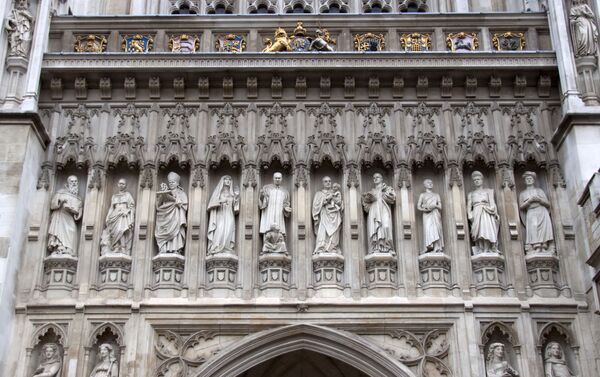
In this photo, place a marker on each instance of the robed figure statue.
(483, 216)
(534, 205)
(107, 366)
(223, 205)
(497, 365)
(117, 236)
(431, 205)
(274, 202)
(377, 204)
(171, 216)
(327, 212)
(555, 364)
(51, 361)
(67, 208)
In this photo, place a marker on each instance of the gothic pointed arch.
(346, 347)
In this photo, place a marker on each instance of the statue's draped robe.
(584, 31)
(484, 223)
(62, 233)
(379, 219)
(118, 233)
(554, 367)
(538, 226)
(171, 221)
(105, 368)
(272, 203)
(222, 207)
(432, 221)
(327, 214)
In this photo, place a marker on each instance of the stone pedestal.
(328, 271)
(488, 272)
(274, 270)
(221, 271)
(16, 67)
(586, 66)
(168, 270)
(114, 271)
(434, 269)
(542, 269)
(382, 274)
(59, 272)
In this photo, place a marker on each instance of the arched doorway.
(294, 343)
(303, 363)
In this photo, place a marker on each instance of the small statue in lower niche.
(274, 241)
(107, 366)
(497, 366)
(51, 361)
(555, 364)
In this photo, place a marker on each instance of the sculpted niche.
(497, 366)
(483, 216)
(534, 205)
(584, 31)
(67, 208)
(274, 203)
(376, 203)
(327, 213)
(51, 362)
(555, 364)
(223, 206)
(171, 216)
(430, 204)
(117, 236)
(107, 366)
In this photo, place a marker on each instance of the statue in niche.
(274, 202)
(534, 204)
(430, 204)
(51, 361)
(67, 208)
(223, 205)
(117, 236)
(379, 216)
(483, 216)
(584, 31)
(107, 366)
(171, 216)
(497, 366)
(327, 216)
(18, 26)
(555, 364)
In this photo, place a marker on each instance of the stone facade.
(435, 211)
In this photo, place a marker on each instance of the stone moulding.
(69, 62)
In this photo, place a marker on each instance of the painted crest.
(230, 43)
(184, 43)
(90, 43)
(137, 43)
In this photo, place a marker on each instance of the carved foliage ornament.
(428, 352)
(181, 354)
(90, 43)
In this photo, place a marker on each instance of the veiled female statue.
(117, 236)
(379, 219)
(584, 31)
(483, 216)
(431, 205)
(327, 216)
(223, 205)
(555, 364)
(51, 361)
(171, 216)
(538, 226)
(496, 365)
(107, 366)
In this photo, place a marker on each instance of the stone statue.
(67, 208)
(117, 236)
(274, 241)
(107, 366)
(18, 26)
(497, 366)
(430, 204)
(281, 43)
(51, 361)
(538, 226)
(223, 205)
(171, 216)
(379, 219)
(327, 216)
(321, 42)
(584, 31)
(554, 362)
(483, 216)
(274, 202)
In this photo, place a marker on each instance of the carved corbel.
(154, 87)
(130, 87)
(81, 88)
